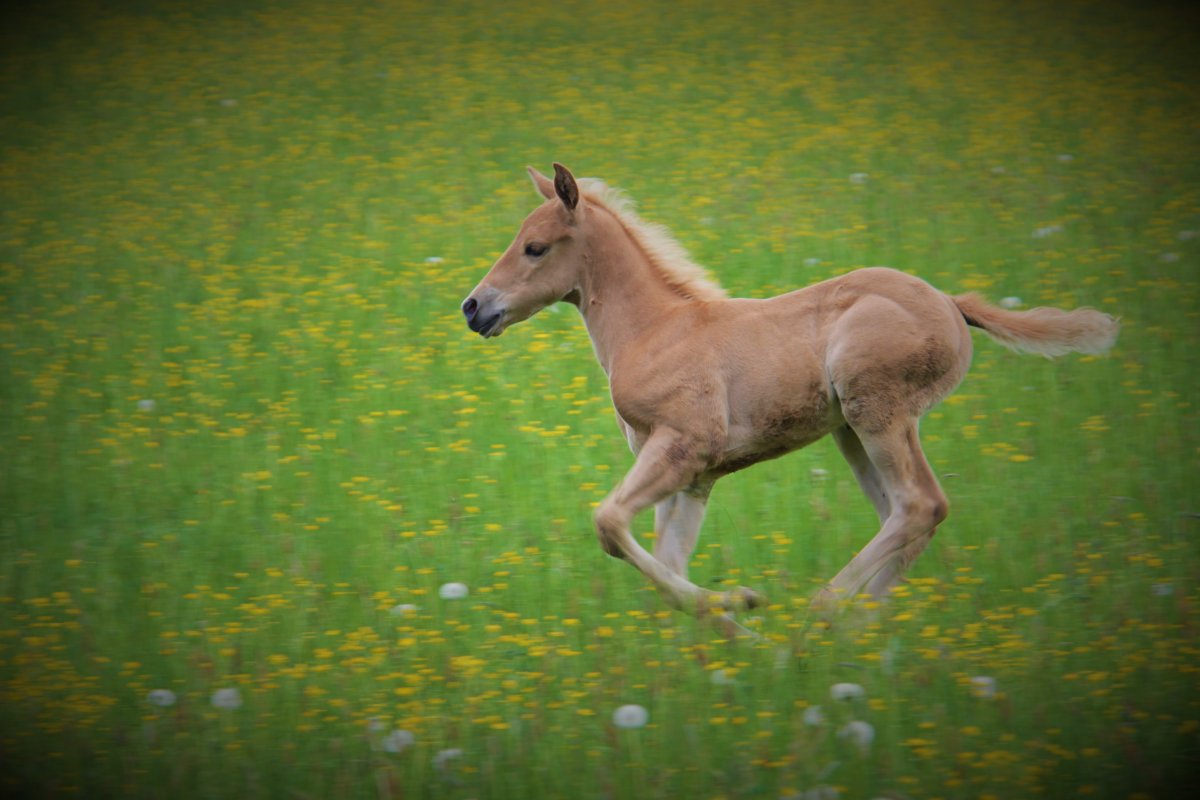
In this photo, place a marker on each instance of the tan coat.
(705, 385)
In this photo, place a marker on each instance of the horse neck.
(621, 293)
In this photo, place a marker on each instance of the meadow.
(274, 523)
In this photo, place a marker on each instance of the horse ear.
(565, 187)
(543, 184)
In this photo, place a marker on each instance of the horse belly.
(772, 429)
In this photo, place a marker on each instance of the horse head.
(542, 265)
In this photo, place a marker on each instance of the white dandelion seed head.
(1186, 236)
(453, 591)
(1065, 158)
(998, 170)
(146, 405)
(817, 473)
(630, 716)
(859, 732)
(1162, 589)
(1169, 258)
(846, 691)
(228, 699)
(1047, 230)
(441, 761)
(1010, 302)
(812, 262)
(376, 725)
(859, 177)
(228, 102)
(720, 677)
(402, 610)
(163, 698)
(983, 686)
(813, 716)
(397, 741)
(434, 260)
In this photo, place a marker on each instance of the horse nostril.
(469, 308)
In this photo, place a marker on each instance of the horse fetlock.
(748, 598)
(733, 630)
(829, 600)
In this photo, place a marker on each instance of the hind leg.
(864, 471)
(916, 505)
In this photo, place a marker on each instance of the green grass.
(241, 419)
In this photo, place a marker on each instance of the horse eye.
(535, 250)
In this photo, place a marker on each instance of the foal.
(705, 385)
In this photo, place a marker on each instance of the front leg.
(668, 462)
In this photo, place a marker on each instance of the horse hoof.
(739, 599)
(748, 598)
(827, 602)
(733, 630)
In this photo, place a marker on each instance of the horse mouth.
(488, 327)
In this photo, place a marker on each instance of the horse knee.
(940, 510)
(609, 530)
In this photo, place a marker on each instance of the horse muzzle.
(484, 314)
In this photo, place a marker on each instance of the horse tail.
(1046, 331)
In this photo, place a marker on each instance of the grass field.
(246, 438)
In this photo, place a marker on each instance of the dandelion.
(720, 677)
(1065, 158)
(229, 102)
(228, 699)
(859, 178)
(145, 405)
(442, 760)
(1162, 589)
(163, 698)
(1187, 236)
(1010, 302)
(818, 474)
(813, 716)
(858, 732)
(1169, 258)
(846, 691)
(402, 610)
(998, 170)
(1047, 230)
(434, 260)
(397, 741)
(453, 591)
(812, 262)
(630, 716)
(983, 686)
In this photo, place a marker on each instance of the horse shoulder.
(671, 376)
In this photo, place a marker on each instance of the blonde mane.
(665, 252)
